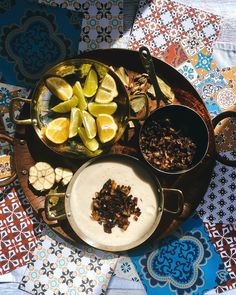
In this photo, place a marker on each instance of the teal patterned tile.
(185, 262)
(188, 71)
(33, 38)
(209, 84)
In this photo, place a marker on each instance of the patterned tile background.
(33, 38)
(59, 268)
(102, 24)
(183, 263)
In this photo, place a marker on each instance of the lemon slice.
(102, 108)
(91, 144)
(59, 87)
(78, 91)
(107, 127)
(107, 90)
(89, 124)
(66, 106)
(57, 130)
(90, 84)
(75, 122)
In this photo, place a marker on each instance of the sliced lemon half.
(59, 87)
(107, 127)
(57, 130)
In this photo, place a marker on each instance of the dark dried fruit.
(113, 205)
(166, 148)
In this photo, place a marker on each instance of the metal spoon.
(147, 62)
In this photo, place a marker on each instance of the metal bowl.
(90, 178)
(191, 125)
(42, 100)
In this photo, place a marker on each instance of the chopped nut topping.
(113, 205)
(166, 148)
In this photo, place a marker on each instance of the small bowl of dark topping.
(174, 139)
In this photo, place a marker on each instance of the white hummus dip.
(124, 172)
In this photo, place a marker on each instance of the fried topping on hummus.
(113, 205)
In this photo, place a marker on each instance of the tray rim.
(20, 144)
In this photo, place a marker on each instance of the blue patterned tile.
(210, 84)
(33, 38)
(183, 263)
(212, 107)
(188, 71)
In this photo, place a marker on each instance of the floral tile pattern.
(226, 98)
(224, 239)
(188, 71)
(125, 269)
(210, 84)
(161, 23)
(183, 263)
(203, 62)
(17, 237)
(59, 268)
(230, 76)
(192, 44)
(5, 166)
(102, 24)
(218, 204)
(7, 92)
(25, 58)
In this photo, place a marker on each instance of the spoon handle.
(147, 62)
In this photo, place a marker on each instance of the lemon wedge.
(57, 130)
(78, 91)
(90, 84)
(107, 90)
(66, 106)
(75, 122)
(59, 87)
(91, 144)
(102, 108)
(89, 124)
(107, 127)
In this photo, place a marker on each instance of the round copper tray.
(28, 149)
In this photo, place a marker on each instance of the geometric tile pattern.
(17, 237)
(209, 84)
(219, 203)
(188, 71)
(224, 239)
(102, 23)
(57, 267)
(161, 23)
